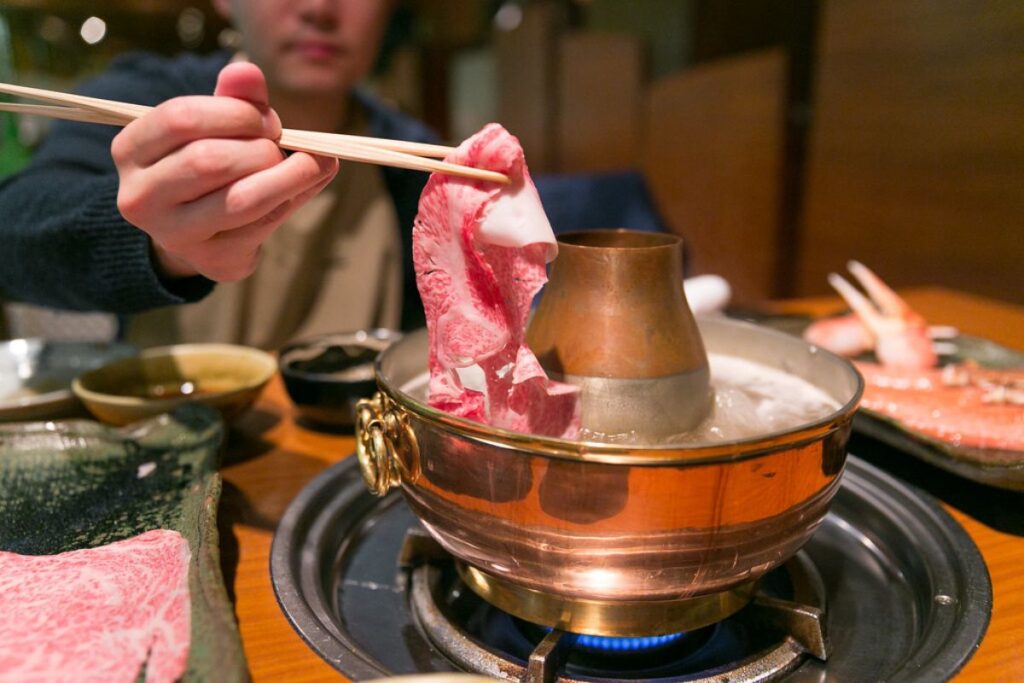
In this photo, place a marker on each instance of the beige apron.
(334, 265)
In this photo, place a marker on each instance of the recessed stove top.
(889, 587)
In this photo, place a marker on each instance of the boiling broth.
(749, 399)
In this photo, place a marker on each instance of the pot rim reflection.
(636, 454)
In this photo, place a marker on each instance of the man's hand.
(205, 179)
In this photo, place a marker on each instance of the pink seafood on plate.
(885, 324)
(961, 404)
(480, 252)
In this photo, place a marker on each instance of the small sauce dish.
(326, 375)
(223, 376)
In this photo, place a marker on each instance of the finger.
(181, 120)
(197, 169)
(253, 197)
(245, 81)
(255, 233)
(232, 255)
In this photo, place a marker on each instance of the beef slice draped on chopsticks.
(98, 614)
(480, 251)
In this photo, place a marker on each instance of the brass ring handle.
(385, 444)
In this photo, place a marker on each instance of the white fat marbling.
(516, 218)
(472, 377)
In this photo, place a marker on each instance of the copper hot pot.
(609, 539)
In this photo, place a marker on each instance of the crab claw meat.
(901, 337)
(889, 302)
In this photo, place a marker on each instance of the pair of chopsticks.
(399, 153)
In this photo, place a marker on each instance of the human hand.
(205, 179)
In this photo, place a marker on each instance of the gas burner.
(782, 624)
(375, 596)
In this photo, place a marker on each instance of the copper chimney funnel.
(614, 321)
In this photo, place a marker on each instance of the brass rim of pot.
(617, 454)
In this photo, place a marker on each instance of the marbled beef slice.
(97, 614)
(480, 251)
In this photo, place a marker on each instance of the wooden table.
(270, 458)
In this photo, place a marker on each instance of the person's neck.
(327, 114)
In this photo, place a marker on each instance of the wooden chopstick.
(420, 149)
(381, 151)
(307, 141)
(91, 116)
(122, 109)
(68, 113)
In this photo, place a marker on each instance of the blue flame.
(637, 644)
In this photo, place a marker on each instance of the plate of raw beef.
(109, 559)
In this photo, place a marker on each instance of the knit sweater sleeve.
(64, 242)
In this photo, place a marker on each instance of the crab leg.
(901, 335)
(860, 305)
(891, 304)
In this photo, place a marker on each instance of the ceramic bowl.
(223, 376)
(326, 375)
(36, 375)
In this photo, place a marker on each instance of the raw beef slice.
(480, 251)
(97, 614)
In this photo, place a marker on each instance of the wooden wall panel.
(601, 85)
(916, 162)
(527, 66)
(713, 157)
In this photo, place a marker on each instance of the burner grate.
(480, 638)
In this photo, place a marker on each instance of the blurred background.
(779, 137)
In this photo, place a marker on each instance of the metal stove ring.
(803, 621)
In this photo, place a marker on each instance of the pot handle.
(385, 444)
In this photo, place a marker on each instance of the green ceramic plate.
(1001, 468)
(77, 484)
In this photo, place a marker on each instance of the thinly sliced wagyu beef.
(99, 614)
(480, 251)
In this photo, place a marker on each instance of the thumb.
(245, 81)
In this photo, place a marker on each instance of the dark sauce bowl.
(326, 375)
